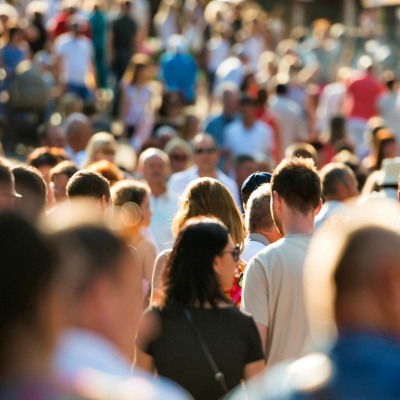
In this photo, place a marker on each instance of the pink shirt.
(361, 97)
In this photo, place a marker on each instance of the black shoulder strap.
(219, 376)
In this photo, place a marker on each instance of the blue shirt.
(215, 127)
(365, 366)
(179, 73)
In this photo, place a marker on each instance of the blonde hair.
(207, 196)
(138, 60)
(99, 141)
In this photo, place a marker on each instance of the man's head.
(79, 131)
(251, 183)
(30, 184)
(296, 189)
(281, 89)
(230, 97)
(101, 269)
(50, 135)
(338, 182)
(244, 166)
(155, 166)
(248, 109)
(357, 282)
(205, 152)
(89, 184)
(59, 177)
(7, 187)
(258, 214)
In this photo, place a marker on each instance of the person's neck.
(157, 189)
(208, 173)
(248, 124)
(296, 223)
(228, 114)
(271, 236)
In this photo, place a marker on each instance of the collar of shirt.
(258, 237)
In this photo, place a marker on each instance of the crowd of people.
(196, 201)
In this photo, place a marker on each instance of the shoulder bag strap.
(219, 376)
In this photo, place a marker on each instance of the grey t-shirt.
(273, 295)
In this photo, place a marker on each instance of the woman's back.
(231, 337)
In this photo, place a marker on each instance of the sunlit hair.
(129, 191)
(207, 196)
(101, 140)
(189, 276)
(136, 63)
(108, 170)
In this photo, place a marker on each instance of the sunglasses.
(178, 157)
(206, 150)
(235, 253)
(108, 152)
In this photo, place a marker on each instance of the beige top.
(273, 295)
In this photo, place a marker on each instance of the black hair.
(88, 184)
(30, 184)
(189, 276)
(281, 89)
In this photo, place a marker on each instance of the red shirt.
(361, 97)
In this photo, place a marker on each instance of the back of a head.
(108, 170)
(87, 251)
(207, 196)
(258, 210)
(27, 268)
(42, 156)
(68, 168)
(88, 184)
(30, 184)
(129, 191)
(281, 89)
(331, 175)
(199, 241)
(304, 150)
(297, 182)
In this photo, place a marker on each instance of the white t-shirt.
(137, 101)
(230, 70)
(218, 51)
(241, 141)
(253, 244)
(164, 209)
(273, 295)
(76, 55)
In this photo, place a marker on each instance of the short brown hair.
(207, 196)
(88, 184)
(129, 191)
(297, 182)
(333, 174)
(68, 168)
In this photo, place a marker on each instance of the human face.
(57, 137)
(106, 153)
(146, 212)
(155, 170)
(225, 265)
(59, 185)
(208, 157)
(244, 171)
(178, 160)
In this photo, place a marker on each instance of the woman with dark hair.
(193, 334)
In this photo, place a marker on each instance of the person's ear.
(104, 204)
(277, 200)
(342, 191)
(387, 286)
(398, 195)
(217, 265)
(319, 207)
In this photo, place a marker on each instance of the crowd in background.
(202, 191)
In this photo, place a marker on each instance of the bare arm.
(159, 267)
(263, 331)
(254, 368)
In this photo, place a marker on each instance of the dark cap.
(254, 181)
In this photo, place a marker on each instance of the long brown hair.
(207, 196)
(136, 63)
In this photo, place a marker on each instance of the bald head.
(155, 166)
(79, 131)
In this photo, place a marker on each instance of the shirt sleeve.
(255, 352)
(255, 295)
